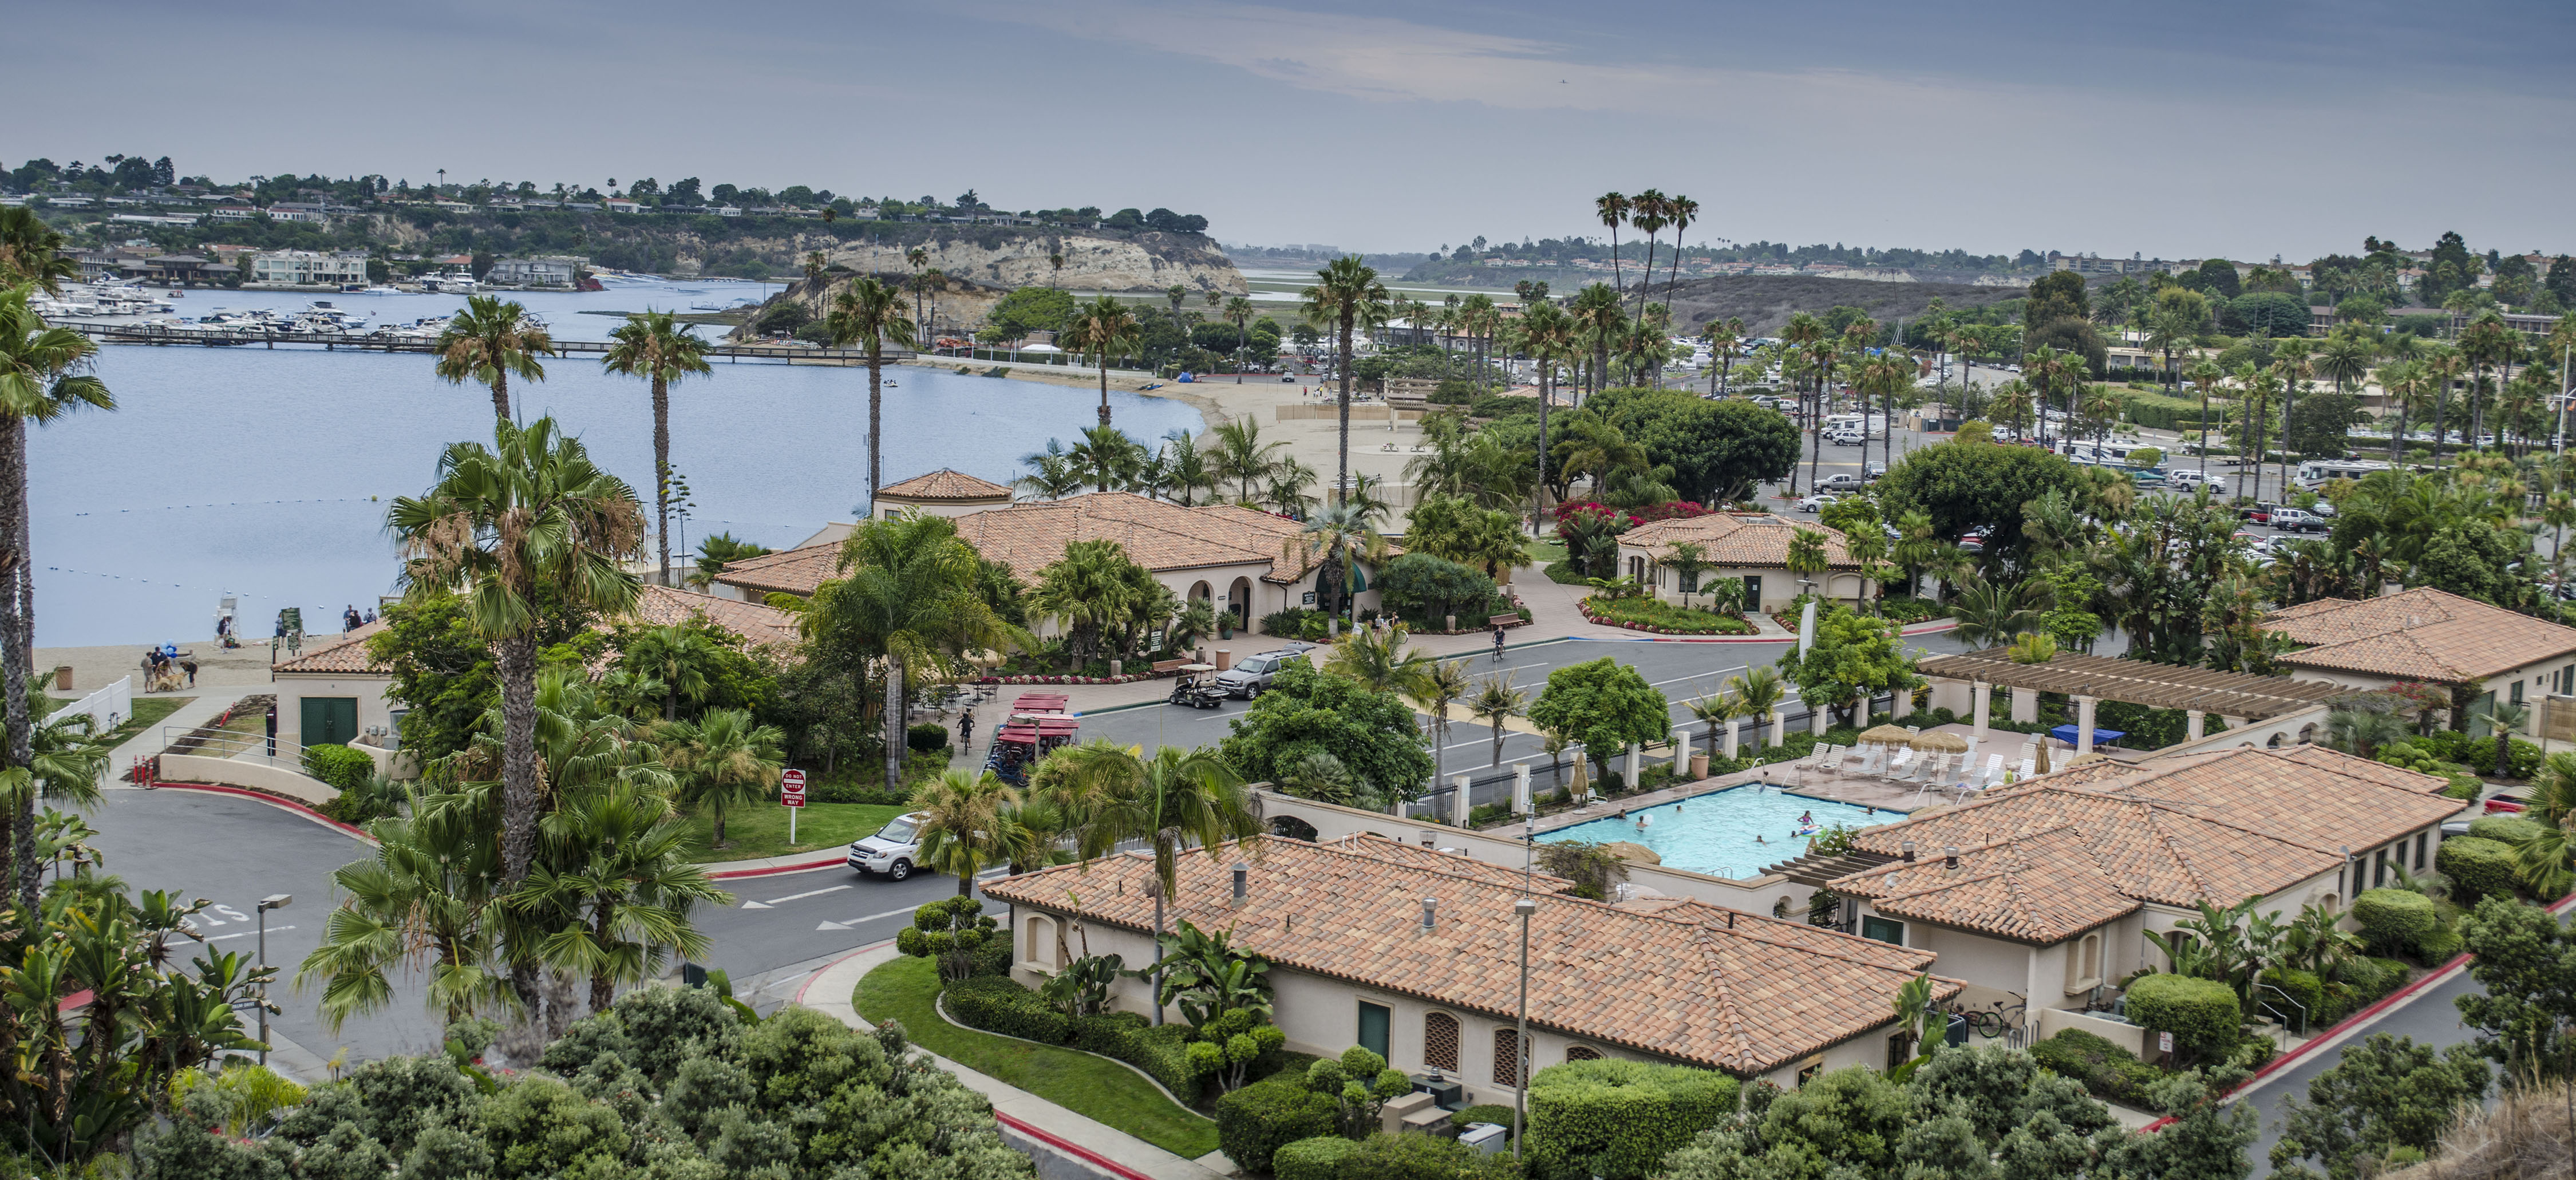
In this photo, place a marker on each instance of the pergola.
(2237, 696)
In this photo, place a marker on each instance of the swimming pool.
(1715, 833)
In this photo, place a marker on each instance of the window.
(1688, 581)
(1810, 1070)
(1507, 1057)
(1900, 1049)
(2420, 838)
(2379, 869)
(2517, 692)
(1374, 1019)
(1582, 1053)
(1883, 930)
(2084, 963)
(1440, 1041)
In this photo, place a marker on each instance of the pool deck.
(1855, 789)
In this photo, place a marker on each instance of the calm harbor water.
(265, 474)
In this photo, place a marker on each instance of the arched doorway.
(1293, 828)
(1238, 602)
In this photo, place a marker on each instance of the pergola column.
(1981, 695)
(2083, 726)
(2232, 722)
(2025, 705)
(2193, 723)
(1731, 742)
(1681, 754)
(1860, 714)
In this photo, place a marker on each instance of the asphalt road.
(2431, 1017)
(234, 851)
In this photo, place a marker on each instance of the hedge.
(926, 736)
(1253, 1123)
(2439, 946)
(1617, 1119)
(1500, 1116)
(2506, 829)
(2477, 867)
(1319, 1158)
(2200, 1013)
(2393, 919)
(1421, 1157)
(999, 1004)
(1163, 1053)
(2364, 982)
(345, 769)
(2106, 1070)
(2303, 988)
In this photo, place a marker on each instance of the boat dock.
(358, 342)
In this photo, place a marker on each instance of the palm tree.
(870, 313)
(1495, 702)
(44, 374)
(1547, 334)
(1380, 662)
(488, 342)
(722, 759)
(916, 258)
(1101, 329)
(1241, 456)
(1688, 560)
(424, 892)
(2346, 358)
(1757, 694)
(2205, 376)
(654, 347)
(510, 526)
(1325, 542)
(908, 595)
(2442, 364)
(1440, 685)
(1346, 298)
(1177, 293)
(1240, 310)
(624, 889)
(815, 265)
(1990, 613)
(2049, 370)
(962, 823)
(32, 252)
(1723, 339)
(1683, 211)
(1055, 259)
(1613, 209)
(674, 661)
(2486, 341)
(1107, 455)
(1088, 591)
(1052, 473)
(1482, 319)
(1649, 211)
(1170, 800)
(1597, 314)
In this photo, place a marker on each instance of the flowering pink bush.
(1623, 521)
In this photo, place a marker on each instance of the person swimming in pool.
(1644, 819)
(1757, 838)
(1805, 818)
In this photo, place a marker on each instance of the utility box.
(1486, 1138)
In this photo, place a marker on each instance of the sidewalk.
(1110, 1151)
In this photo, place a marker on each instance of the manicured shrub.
(2303, 989)
(1163, 1053)
(2477, 867)
(997, 1003)
(929, 735)
(2200, 1013)
(2439, 946)
(1319, 1158)
(2106, 1070)
(343, 768)
(2463, 786)
(2506, 829)
(1253, 1123)
(1421, 1157)
(2392, 919)
(1617, 1119)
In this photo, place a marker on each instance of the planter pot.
(1698, 767)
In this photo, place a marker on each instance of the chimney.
(1429, 906)
(1908, 849)
(1242, 876)
(1950, 856)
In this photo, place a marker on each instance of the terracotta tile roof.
(346, 655)
(945, 484)
(2044, 860)
(1030, 535)
(1736, 539)
(2421, 634)
(1680, 979)
(788, 571)
(758, 625)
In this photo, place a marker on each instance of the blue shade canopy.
(2101, 737)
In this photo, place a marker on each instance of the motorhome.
(1865, 425)
(2314, 473)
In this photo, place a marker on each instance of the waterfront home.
(1234, 558)
(551, 270)
(1748, 547)
(945, 492)
(1415, 954)
(2430, 636)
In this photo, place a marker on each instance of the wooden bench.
(1166, 667)
(1504, 621)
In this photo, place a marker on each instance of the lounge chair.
(1898, 765)
(1823, 755)
(1994, 772)
(1872, 761)
(2029, 768)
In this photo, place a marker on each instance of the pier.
(337, 341)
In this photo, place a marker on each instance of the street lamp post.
(1520, 1046)
(276, 901)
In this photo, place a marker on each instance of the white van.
(2314, 473)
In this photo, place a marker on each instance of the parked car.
(2260, 511)
(1845, 438)
(1817, 502)
(1842, 482)
(1255, 672)
(892, 850)
(2505, 803)
(1974, 540)
(2292, 520)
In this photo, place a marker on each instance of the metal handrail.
(2265, 1006)
(207, 741)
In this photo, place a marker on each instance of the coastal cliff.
(1092, 262)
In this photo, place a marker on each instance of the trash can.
(1486, 1138)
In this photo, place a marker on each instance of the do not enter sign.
(791, 788)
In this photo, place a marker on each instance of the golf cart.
(1194, 690)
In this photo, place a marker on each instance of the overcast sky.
(2181, 129)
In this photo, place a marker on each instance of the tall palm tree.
(44, 374)
(1547, 334)
(1326, 542)
(1109, 456)
(2205, 376)
(1440, 685)
(2049, 370)
(1101, 329)
(1649, 211)
(623, 889)
(1240, 310)
(1497, 701)
(962, 824)
(2404, 383)
(1055, 259)
(2442, 364)
(815, 265)
(2486, 341)
(1169, 800)
(1241, 456)
(490, 341)
(31, 252)
(1683, 211)
(1346, 298)
(2345, 359)
(1482, 319)
(870, 313)
(1597, 315)
(1723, 339)
(425, 892)
(1613, 209)
(721, 759)
(917, 258)
(661, 351)
(527, 519)
(1758, 693)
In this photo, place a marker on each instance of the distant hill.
(1765, 302)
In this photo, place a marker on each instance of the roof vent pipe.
(1908, 848)
(1428, 906)
(1242, 882)
(1950, 856)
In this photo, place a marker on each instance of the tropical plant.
(722, 759)
(1440, 684)
(1347, 298)
(869, 313)
(1991, 614)
(31, 252)
(1496, 701)
(1243, 457)
(1380, 661)
(622, 890)
(1207, 976)
(652, 346)
(962, 823)
(1332, 537)
(909, 596)
(1757, 694)
(489, 342)
(1101, 329)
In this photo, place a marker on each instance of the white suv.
(892, 849)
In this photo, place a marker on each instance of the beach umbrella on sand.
(1937, 742)
(1885, 735)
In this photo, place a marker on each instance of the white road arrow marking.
(793, 897)
(833, 926)
(755, 905)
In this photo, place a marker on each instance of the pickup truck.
(1844, 482)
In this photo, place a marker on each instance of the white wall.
(232, 772)
(373, 707)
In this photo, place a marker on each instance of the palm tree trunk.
(1342, 461)
(603, 988)
(17, 613)
(1104, 386)
(1538, 497)
(518, 667)
(896, 731)
(662, 473)
(1158, 955)
(876, 417)
(501, 394)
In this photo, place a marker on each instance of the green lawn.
(148, 713)
(1094, 1087)
(760, 829)
(1542, 553)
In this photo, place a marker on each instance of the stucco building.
(1750, 547)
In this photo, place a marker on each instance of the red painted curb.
(774, 870)
(277, 801)
(1071, 1148)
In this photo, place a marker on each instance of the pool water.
(1716, 833)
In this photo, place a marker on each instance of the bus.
(2314, 473)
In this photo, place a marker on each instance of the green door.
(1373, 1025)
(330, 720)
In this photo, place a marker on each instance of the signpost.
(791, 794)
